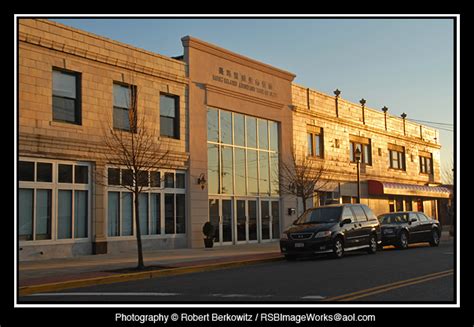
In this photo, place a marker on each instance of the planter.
(208, 242)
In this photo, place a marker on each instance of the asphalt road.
(420, 274)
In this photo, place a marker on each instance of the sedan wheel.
(338, 248)
(403, 241)
(434, 238)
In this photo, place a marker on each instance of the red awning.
(381, 188)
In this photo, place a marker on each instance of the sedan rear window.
(320, 215)
(401, 218)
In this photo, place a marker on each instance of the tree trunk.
(140, 265)
(304, 203)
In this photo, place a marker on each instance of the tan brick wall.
(44, 45)
(338, 129)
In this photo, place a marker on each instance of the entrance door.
(265, 220)
(221, 217)
(252, 214)
(241, 220)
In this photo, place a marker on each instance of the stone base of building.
(53, 251)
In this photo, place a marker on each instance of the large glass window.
(245, 161)
(43, 214)
(227, 171)
(66, 97)
(169, 116)
(226, 127)
(25, 214)
(239, 130)
(212, 125)
(44, 184)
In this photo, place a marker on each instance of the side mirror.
(411, 220)
(294, 221)
(345, 221)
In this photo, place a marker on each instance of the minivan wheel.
(403, 240)
(372, 245)
(338, 248)
(434, 238)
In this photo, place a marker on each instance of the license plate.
(388, 231)
(299, 245)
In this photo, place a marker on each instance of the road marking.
(105, 294)
(313, 297)
(390, 286)
(240, 295)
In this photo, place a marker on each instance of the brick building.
(227, 122)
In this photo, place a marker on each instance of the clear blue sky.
(404, 64)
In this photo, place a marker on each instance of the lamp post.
(357, 158)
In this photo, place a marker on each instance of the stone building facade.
(400, 160)
(227, 122)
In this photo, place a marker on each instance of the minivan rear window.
(320, 215)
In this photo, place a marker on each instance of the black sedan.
(402, 228)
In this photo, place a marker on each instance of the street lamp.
(357, 158)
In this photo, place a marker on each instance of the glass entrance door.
(221, 217)
(269, 219)
(241, 220)
(265, 220)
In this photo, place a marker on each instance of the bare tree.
(302, 177)
(447, 172)
(132, 144)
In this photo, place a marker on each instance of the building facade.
(226, 123)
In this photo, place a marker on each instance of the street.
(418, 274)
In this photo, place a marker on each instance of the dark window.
(359, 213)
(422, 217)
(426, 166)
(397, 160)
(180, 183)
(155, 179)
(113, 176)
(66, 95)
(26, 171)
(64, 173)
(81, 174)
(369, 213)
(169, 116)
(142, 178)
(127, 177)
(365, 153)
(180, 214)
(169, 214)
(44, 172)
(125, 107)
(169, 180)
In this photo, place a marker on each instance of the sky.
(404, 64)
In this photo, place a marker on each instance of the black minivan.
(332, 229)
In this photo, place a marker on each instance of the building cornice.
(195, 43)
(360, 126)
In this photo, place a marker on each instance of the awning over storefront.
(381, 188)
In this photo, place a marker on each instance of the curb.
(50, 287)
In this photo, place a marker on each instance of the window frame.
(176, 125)
(133, 106)
(77, 99)
(54, 186)
(426, 164)
(149, 190)
(400, 159)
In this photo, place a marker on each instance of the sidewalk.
(55, 274)
(106, 268)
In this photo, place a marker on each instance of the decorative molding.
(242, 96)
